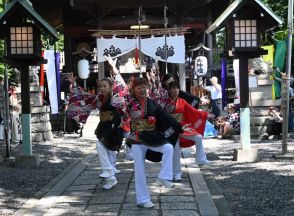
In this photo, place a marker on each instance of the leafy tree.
(2, 5)
(279, 7)
(45, 41)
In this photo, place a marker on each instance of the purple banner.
(224, 82)
(57, 63)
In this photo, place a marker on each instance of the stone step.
(40, 109)
(259, 121)
(257, 95)
(259, 111)
(262, 88)
(257, 130)
(33, 88)
(40, 117)
(263, 76)
(42, 136)
(41, 127)
(264, 82)
(265, 103)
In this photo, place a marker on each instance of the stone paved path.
(80, 192)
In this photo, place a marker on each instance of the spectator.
(14, 109)
(274, 127)
(216, 96)
(229, 124)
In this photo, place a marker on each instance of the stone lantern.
(21, 28)
(245, 21)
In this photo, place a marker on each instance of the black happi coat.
(109, 132)
(191, 99)
(167, 128)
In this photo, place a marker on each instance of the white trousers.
(15, 136)
(200, 153)
(107, 159)
(127, 149)
(166, 171)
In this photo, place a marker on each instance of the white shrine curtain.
(153, 47)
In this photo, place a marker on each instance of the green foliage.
(2, 4)
(48, 44)
(280, 8)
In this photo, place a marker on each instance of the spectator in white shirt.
(216, 96)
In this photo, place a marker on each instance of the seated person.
(274, 124)
(229, 124)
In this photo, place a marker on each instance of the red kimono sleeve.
(197, 119)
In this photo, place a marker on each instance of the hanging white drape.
(237, 76)
(51, 80)
(116, 46)
(153, 47)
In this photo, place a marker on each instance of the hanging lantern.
(83, 69)
(200, 65)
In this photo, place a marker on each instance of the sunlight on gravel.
(262, 188)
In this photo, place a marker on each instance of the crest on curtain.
(112, 51)
(165, 49)
(154, 47)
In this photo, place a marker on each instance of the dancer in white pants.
(166, 171)
(200, 156)
(106, 158)
(143, 114)
(127, 149)
(108, 131)
(186, 115)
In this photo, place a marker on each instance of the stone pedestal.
(41, 129)
(40, 124)
(27, 161)
(246, 155)
(260, 101)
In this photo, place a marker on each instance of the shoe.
(165, 183)
(106, 174)
(147, 204)
(129, 158)
(109, 184)
(178, 177)
(116, 170)
(204, 162)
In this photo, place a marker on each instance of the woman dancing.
(108, 131)
(151, 130)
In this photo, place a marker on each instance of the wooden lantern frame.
(23, 41)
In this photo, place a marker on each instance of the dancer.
(184, 113)
(108, 131)
(151, 130)
(191, 99)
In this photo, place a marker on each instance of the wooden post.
(26, 111)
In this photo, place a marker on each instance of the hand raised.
(111, 62)
(71, 78)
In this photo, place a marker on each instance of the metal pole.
(244, 100)
(7, 112)
(165, 43)
(26, 111)
(287, 81)
(140, 55)
(85, 85)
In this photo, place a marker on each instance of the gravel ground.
(262, 188)
(20, 184)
